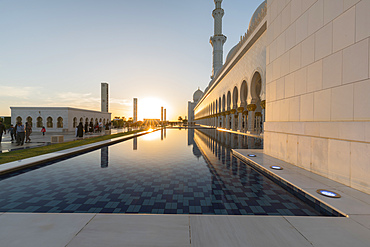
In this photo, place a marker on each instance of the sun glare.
(150, 108)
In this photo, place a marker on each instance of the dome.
(197, 95)
(231, 52)
(256, 13)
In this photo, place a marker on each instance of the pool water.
(165, 172)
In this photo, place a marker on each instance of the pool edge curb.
(276, 178)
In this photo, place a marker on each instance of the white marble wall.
(318, 87)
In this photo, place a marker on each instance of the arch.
(96, 121)
(216, 105)
(103, 121)
(228, 100)
(223, 102)
(29, 120)
(81, 120)
(235, 98)
(92, 120)
(18, 119)
(75, 122)
(243, 93)
(99, 120)
(39, 123)
(256, 86)
(86, 120)
(219, 105)
(59, 122)
(49, 122)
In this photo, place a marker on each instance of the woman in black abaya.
(80, 130)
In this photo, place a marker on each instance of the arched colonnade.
(238, 109)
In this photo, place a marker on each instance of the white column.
(251, 120)
(240, 122)
(232, 127)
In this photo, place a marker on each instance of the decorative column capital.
(240, 109)
(251, 107)
(232, 111)
(263, 104)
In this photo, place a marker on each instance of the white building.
(57, 119)
(303, 66)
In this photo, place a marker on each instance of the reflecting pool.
(165, 172)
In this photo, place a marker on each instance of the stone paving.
(37, 139)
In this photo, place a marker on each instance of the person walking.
(2, 130)
(43, 130)
(20, 132)
(28, 132)
(11, 131)
(80, 130)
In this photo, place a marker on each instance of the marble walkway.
(37, 139)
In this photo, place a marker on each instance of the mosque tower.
(218, 39)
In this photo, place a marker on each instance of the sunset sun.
(150, 108)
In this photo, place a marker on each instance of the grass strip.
(32, 152)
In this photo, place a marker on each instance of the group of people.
(18, 133)
(89, 128)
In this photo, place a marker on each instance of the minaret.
(104, 97)
(218, 39)
(135, 110)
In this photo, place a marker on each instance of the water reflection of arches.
(229, 140)
(219, 143)
(228, 172)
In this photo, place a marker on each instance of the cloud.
(123, 102)
(42, 96)
(18, 92)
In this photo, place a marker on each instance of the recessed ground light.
(276, 167)
(251, 155)
(328, 193)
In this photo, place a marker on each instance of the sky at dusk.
(57, 53)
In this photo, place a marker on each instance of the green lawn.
(31, 152)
